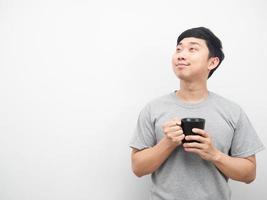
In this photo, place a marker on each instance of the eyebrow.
(191, 43)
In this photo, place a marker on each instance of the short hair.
(213, 42)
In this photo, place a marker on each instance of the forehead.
(192, 41)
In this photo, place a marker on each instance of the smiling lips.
(182, 65)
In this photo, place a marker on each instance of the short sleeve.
(144, 133)
(245, 141)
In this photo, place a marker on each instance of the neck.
(192, 91)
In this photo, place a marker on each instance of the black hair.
(213, 43)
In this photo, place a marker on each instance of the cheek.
(173, 60)
(196, 57)
(199, 59)
(174, 57)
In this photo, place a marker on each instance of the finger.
(178, 138)
(193, 145)
(169, 124)
(200, 132)
(193, 150)
(173, 128)
(175, 134)
(198, 138)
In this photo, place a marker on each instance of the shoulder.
(157, 104)
(227, 107)
(159, 101)
(226, 103)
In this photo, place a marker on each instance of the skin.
(191, 64)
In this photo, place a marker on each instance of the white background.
(74, 75)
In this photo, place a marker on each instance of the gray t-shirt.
(184, 175)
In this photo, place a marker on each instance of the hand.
(173, 131)
(203, 147)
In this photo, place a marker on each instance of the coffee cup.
(188, 124)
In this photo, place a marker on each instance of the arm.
(149, 160)
(240, 169)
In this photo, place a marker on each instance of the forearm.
(149, 160)
(239, 169)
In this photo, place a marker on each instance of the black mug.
(188, 124)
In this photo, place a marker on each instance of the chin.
(183, 77)
(180, 75)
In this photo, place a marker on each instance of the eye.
(178, 49)
(192, 49)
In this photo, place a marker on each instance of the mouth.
(182, 65)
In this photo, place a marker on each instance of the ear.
(214, 61)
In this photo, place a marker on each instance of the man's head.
(198, 51)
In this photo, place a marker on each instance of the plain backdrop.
(74, 75)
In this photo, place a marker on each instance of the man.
(225, 149)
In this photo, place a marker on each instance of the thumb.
(177, 120)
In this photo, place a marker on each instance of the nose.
(181, 55)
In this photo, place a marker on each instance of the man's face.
(191, 59)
